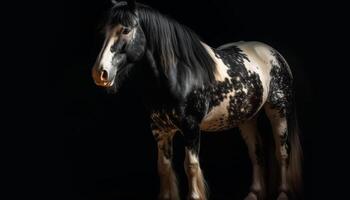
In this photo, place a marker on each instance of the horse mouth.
(105, 84)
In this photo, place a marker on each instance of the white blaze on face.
(106, 55)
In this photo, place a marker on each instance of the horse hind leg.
(168, 181)
(280, 109)
(280, 133)
(288, 150)
(250, 135)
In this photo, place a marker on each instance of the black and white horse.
(192, 87)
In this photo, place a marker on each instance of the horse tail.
(294, 170)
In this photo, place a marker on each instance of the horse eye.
(126, 30)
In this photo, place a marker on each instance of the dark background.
(106, 149)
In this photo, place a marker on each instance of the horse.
(194, 88)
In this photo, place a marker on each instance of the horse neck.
(152, 85)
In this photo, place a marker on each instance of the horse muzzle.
(102, 78)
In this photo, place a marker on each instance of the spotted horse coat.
(190, 87)
(245, 73)
(250, 76)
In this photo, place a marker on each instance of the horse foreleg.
(168, 181)
(196, 181)
(251, 137)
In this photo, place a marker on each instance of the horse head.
(124, 45)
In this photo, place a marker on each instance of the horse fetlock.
(164, 196)
(192, 169)
(256, 189)
(194, 196)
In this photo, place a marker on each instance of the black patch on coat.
(285, 140)
(190, 128)
(243, 104)
(281, 91)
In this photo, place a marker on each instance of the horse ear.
(131, 5)
(117, 3)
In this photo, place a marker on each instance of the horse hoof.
(282, 196)
(164, 197)
(251, 196)
(194, 198)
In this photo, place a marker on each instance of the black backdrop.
(109, 152)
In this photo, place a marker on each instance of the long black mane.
(177, 50)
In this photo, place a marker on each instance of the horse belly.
(218, 118)
(233, 110)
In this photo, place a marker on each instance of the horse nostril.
(104, 75)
